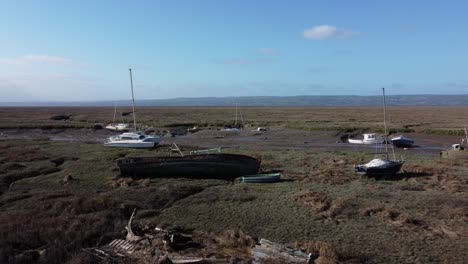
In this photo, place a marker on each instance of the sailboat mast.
(133, 101)
(115, 111)
(385, 121)
(235, 124)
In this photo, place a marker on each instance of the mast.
(235, 123)
(385, 121)
(115, 111)
(133, 101)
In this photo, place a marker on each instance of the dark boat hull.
(389, 169)
(403, 143)
(215, 166)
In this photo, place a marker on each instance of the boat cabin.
(369, 136)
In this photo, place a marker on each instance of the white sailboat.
(119, 126)
(133, 139)
(236, 127)
(381, 167)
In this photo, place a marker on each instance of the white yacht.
(133, 139)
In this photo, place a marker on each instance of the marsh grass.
(45, 213)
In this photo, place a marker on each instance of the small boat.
(377, 167)
(402, 142)
(217, 166)
(458, 151)
(133, 140)
(381, 167)
(237, 127)
(117, 127)
(262, 178)
(368, 139)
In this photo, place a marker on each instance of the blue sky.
(81, 50)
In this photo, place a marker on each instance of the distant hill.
(292, 101)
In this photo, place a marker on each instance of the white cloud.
(325, 32)
(31, 60)
(267, 51)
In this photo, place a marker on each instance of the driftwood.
(271, 250)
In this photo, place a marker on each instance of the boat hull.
(123, 144)
(217, 166)
(366, 142)
(402, 142)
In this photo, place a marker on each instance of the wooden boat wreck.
(216, 166)
(262, 178)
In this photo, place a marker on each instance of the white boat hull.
(366, 142)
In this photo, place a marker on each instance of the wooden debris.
(155, 245)
(130, 235)
(271, 250)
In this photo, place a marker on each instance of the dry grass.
(443, 120)
(420, 217)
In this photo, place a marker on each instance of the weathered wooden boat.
(402, 142)
(262, 178)
(217, 166)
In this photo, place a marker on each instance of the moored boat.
(117, 127)
(133, 140)
(377, 167)
(262, 178)
(217, 166)
(381, 167)
(402, 142)
(368, 139)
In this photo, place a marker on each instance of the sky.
(81, 50)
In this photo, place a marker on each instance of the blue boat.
(262, 178)
(402, 142)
